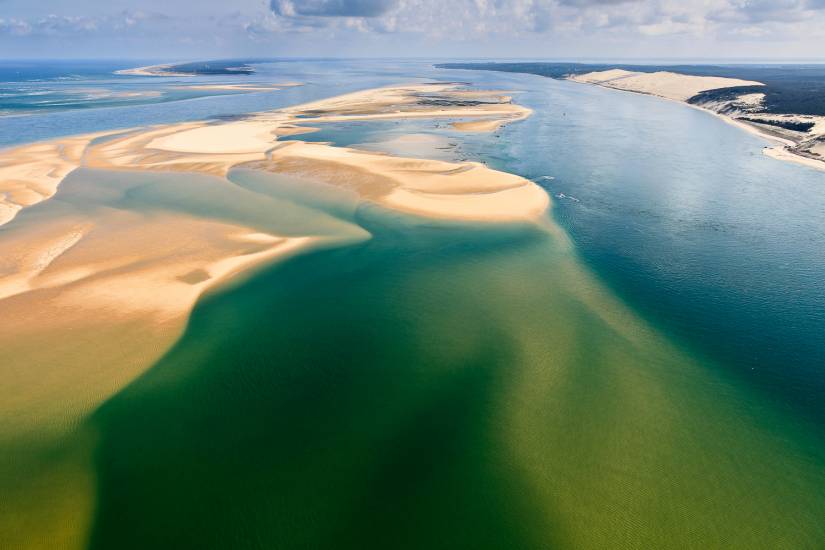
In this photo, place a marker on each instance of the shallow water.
(646, 371)
(437, 387)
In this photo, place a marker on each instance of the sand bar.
(217, 147)
(31, 173)
(131, 246)
(152, 70)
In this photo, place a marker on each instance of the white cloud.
(549, 28)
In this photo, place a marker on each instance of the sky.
(542, 29)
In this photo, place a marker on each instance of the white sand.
(235, 137)
(680, 87)
(31, 173)
(151, 70)
(120, 282)
(665, 84)
(215, 148)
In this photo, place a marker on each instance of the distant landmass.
(797, 89)
(195, 68)
(783, 102)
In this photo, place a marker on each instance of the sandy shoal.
(30, 174)
(477, 125)
(112, 284)
(151, 70)
(97, 262)
(97, 286)
(466, 191)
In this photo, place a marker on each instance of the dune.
(679, 87)
(745, 110)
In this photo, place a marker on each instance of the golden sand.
(97, 286)
(97, 278)
(799, 147)
(680, 87)
(466, 191)
(31, 173)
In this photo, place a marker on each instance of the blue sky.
(189, 29)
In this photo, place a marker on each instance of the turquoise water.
(685, 217)
(652, 376)
(70, 108)
(680, 213)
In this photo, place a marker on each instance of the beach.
(805, 149)
(152, 70)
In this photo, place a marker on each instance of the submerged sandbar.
(130, 247)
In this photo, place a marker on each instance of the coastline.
(781, 151)
(198, 68)
(152, 70)
(497, 386)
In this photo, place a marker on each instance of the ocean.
(643, 371)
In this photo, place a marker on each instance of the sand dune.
(679, 87)
(744, 111)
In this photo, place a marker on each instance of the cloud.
(763, 11)
(15, 27)
(587, 3)
(332, 8)
(548, 28)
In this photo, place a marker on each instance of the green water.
(442, 386)
(450, 386)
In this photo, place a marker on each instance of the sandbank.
(217, 147)
(31, 173)
(152, 70)
(124, 258)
